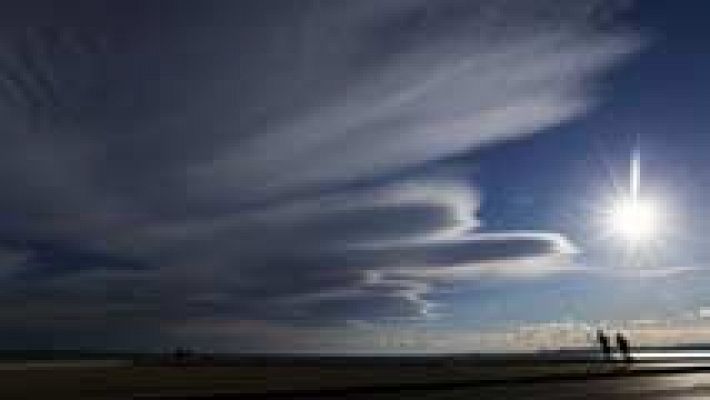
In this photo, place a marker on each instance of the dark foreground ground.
(656, 386)
(353, 379)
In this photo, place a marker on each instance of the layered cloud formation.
(168, 166)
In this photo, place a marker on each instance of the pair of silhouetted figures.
(622, 344)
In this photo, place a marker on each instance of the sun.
(634, 220)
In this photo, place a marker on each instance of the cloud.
(440, 79)
(12, 261)
(243, 161)
(334, 277)
(366, 338)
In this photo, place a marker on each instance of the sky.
(349, 176)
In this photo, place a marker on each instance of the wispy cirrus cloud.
(209, 162)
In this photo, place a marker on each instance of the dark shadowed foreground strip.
(663, 383)
(362, 378)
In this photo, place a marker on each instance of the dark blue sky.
(349, 176)
(555, 180)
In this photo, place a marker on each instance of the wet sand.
(359, 379)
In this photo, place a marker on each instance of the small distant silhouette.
(622, 343)
(182, 354)
(604, 345)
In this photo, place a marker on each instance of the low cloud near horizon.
(225, 161)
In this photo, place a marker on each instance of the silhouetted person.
(622, 343)
(604, 345)
(181, 354)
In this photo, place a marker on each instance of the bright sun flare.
(634, 220)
